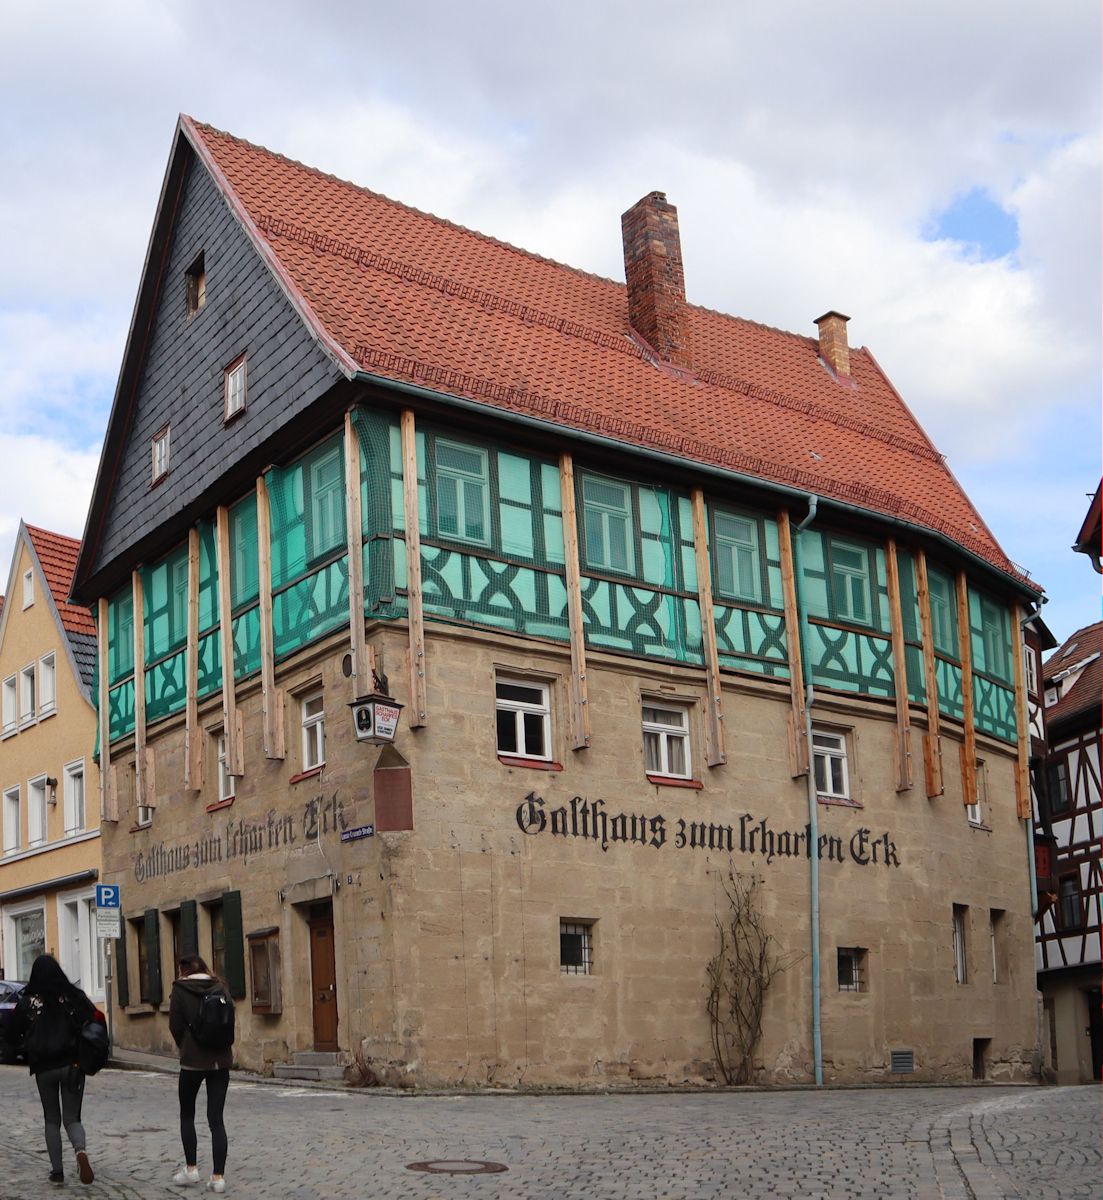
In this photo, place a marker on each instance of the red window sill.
(314, 771)
(533, 764)
(839, 802)
(221, 804)
(670, 781)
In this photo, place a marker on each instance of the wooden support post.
(109, 798)
(193, 742)
(969, 746)
(361, 676)
(142, 787)
(798, 743)
(231, 721)
(900, 673)
(579, 690)
(714, 723)
(1023, 807)
(932, 740)
(419, 705)
(271, 697)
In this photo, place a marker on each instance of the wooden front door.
(323, 977)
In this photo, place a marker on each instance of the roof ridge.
(342, 248)
(203, 127)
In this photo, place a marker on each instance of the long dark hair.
(192, 964)
(48, 979)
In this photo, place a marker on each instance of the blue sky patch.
(978, 222)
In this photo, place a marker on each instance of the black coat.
(183, 1013)
(48, 1025)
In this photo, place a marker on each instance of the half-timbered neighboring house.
(664, 594)
(1071, 817)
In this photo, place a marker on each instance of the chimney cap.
(831, 312)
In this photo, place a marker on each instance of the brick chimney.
(656, 284)
(833, 345)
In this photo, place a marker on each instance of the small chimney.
(833, 346)
(656, 283)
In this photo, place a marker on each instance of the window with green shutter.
(189, 930)
(122, 979)
(234, 944)
(151, 940)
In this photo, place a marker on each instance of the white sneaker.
(186, 1177)
(216, 1185)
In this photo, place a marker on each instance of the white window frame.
(1031, 663)
(81, 951)
(975, 810)
(326, 505)
(830, 747)
(520, 709)
(234, 384)
(11, 705)
(604, 514)
(992, 633)
(47, 670)
(38, 814)
(12, 914)
(28, 587)
(160, 446)
(313, 731)
(28, 696)
(75, 797)
(728, 548)
(461, 479)
(943, 611)
(13, 819)
(575, 926)
(227, 784)
(960, 939)
(662, 733)
(843, 596)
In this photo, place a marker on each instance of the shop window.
(960, 938)
(829, 760)
(264, 971)
(523, 714)
(666, 740)
(25, 940)
(851, 962)
(576, 947)
(462, 492)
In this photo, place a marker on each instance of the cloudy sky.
(932, 170)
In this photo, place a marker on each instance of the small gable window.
(28, 588)
(160, 454)
(196, 286)
(234, 388)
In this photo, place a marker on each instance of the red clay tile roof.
(1087, 691)
(403, 295)
(58, 556)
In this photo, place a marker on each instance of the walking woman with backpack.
(48, 1019)
(201, 1020)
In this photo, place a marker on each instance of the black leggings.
(69, 1082)
(218, 1083)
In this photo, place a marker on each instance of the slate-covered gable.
(181, 382)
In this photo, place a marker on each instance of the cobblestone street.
(306, 1143)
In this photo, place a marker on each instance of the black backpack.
(93, 1046)
(214, 1025)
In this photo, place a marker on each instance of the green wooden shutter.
(189, 930)
(152, 934)
(122, 979)
(235, 944)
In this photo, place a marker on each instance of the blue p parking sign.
(108, 895)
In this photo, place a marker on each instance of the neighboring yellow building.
(49, 783)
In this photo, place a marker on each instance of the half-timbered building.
(666, 596)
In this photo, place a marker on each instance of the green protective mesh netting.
(245, 586)
(165, 594)
(993, 666)
(748, 610)
(120, 663)
(913, 638)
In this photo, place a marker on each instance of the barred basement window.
(852, 969)
(576, 951)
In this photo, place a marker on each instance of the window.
(1057, 784)
(851, 969)
(943, 601)
(47, 685)
(28, 588)
(36, 811)
(996, 932)
(12, 835)
(830, 764)
(139, 927)
(81, 951)
(463, 490)
(975, 810)
(26, 695)
(1069, 902)
(11, 713)
(850, 581)
(666, 741)
(233, 387)
(143, 812)
(227, 787)
(161, 454)
(218, 939)
(1030, 662)
(995, 638)
(264, 970)
(961, 971)
(74, 797)
(27, 933)
(327, 503)
(195, 286)
(607, 524)
(314, 731)
(576, 947)
(524, 718)
(1053, 694)
(738, 570)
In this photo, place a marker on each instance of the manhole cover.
(457, 1166)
